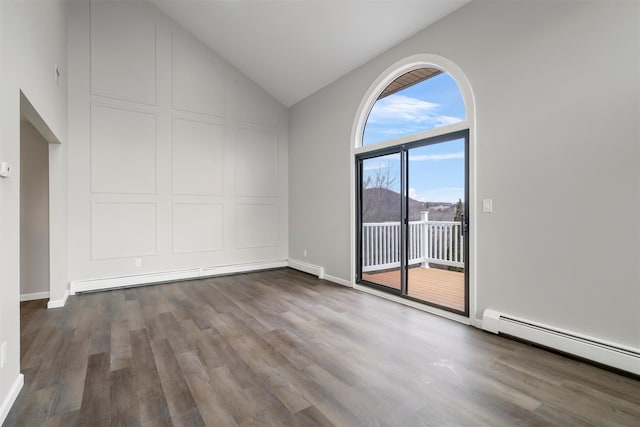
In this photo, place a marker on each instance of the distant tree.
(375, 197)
(458, 218)
(382, 178)
(459, 211)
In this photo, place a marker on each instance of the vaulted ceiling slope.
(294, 48)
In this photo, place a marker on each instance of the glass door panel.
(436, 233)
(381, 231)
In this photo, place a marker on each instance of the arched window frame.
(393, 72)
(375, 89)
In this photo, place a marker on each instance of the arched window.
(413, 139)
(418, 100)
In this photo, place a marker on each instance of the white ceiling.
(293, 48)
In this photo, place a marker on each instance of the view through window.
(413, 209)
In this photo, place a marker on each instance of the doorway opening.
(43, 210)
(34, 214)
(409, 246)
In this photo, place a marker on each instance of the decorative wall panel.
(198, 227)
(197, 157)
(256, 225)
(257, 163)
(123, 229)
(123, 51)
(197, 78)
(123, 151)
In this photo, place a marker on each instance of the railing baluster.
(428, 241)
(387, 252)
(397, 243)
(455, 242)
(381, 244)
(450, 244)
(370, 246)
(364, 246)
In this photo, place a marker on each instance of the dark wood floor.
(283, 348)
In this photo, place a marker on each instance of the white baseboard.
(58, 303)
(11, 397)
(34, 296)
(337, 280)
(316, 270)
(171, 276)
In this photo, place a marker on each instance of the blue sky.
(436, 172)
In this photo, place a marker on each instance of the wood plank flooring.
(283, 348)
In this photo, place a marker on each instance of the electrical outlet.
(3, 355)
(138, 262)
(304, 253)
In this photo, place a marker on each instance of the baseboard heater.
(607, 353)
(91, 285)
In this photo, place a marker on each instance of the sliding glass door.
(381, 213)
(413, 220)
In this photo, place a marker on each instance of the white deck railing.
(437, 242)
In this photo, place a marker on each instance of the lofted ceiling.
(293, 48)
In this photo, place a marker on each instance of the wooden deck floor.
(442, 287)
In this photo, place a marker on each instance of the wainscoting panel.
(123, 151)
(257, 163)
(123, 229)
(198, 157)
(255, 106)
(198, 227)
(256, 225)
(197, 78)
(123, 51)
(177, 161)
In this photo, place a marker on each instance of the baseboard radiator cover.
(171, 276)
(305, 267)
(607, 353)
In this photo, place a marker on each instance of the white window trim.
(384, 79)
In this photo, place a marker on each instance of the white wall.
(34, 211)
(32, 41)
(175, 157)
(557, 88)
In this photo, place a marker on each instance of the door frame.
(385, 77)
(403, 150)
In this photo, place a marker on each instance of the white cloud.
(368, 166)
(437, 157)
(446, 194)
(400, 107)
(445, 120)
(404, 110)
(413, 194)
(399, 131)
(387, 162)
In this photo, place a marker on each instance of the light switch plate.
(5, 170)
(3, 355)
(487, 205)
